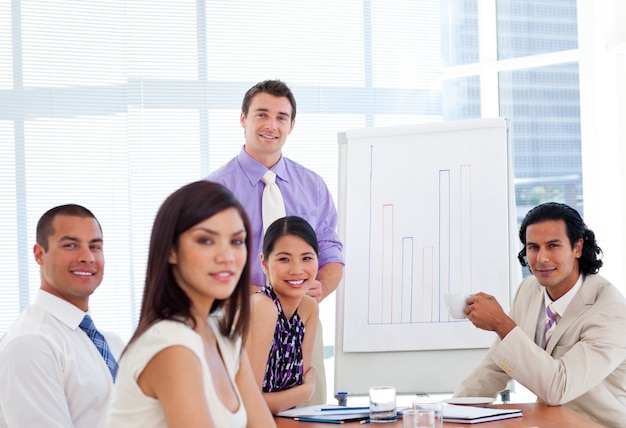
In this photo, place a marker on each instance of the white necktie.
(273, 206)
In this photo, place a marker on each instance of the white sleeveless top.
(132, 408)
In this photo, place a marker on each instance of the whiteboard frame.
(411, 372)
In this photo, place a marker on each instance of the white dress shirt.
(560, 305)
(52, 374)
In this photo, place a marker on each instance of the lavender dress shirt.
(305, 194)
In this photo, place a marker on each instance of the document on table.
(472, 415)
(328, 413)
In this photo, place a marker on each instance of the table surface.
(533, 415)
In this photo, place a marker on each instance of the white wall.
(602, 45)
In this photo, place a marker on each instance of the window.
(114, 104)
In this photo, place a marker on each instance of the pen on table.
(365, 421)
(334, 409)
(328, 421)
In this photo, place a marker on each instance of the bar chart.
(409, 273)
(425, 214)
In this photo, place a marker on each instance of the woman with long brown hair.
(185, 365)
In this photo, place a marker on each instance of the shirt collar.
(62, 310)
(254, 170)
(561, 304)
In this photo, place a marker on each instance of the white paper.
(418, 226)
(324, 410)
(471, 414)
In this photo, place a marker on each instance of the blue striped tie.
(102, 346)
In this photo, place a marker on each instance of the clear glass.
(419, 418)
(382, 404)
(429, 404)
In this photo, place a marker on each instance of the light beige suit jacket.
(584, 366)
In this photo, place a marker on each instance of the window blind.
(116, 103)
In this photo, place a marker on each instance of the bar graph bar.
(407, 280)
(445, 222)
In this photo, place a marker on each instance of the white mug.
(456, 303)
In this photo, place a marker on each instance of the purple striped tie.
(551, 314)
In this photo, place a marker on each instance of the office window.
(546, 131)
(459, 32)
(461, 98)
(532, 27)
(114, 104)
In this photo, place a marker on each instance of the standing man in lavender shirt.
(268, 115)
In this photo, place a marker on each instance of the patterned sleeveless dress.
(284, 364)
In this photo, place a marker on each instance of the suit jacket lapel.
(581, 302)
(535, 305)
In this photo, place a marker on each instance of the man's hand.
(316, 291)
(484, 311)
(329, 275)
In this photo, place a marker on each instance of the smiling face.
(267, 124)
(210, 258)
(291, 267)
(551, 257)
(73, 266)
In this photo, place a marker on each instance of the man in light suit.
(581, 362)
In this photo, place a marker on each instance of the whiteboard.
(424, 210)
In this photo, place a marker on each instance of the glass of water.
(382, 404)
(418, 418)
(434, 405)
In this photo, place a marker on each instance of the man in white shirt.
(52, 374)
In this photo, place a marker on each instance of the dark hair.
(590, 259)
(290, 225)
(272, 87)
(163, 299)
(44, 225)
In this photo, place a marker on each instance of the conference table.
(534, 415)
